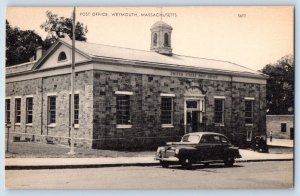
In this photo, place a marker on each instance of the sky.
(250, 36)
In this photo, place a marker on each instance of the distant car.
(198, 147)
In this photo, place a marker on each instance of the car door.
(203, 149)
(217, 149)
(225, 144)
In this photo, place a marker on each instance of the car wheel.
(186, 163)
(164, 164)
(229, 161)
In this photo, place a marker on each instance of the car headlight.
(160, 149)
(177, 151)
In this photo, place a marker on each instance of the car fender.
(232, 151)
(187, 152)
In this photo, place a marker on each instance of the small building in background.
(282, 126)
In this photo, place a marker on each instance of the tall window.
(123, 109)
(29, 110)
(18, 110)
(155, 39)
(167, 110)
(166, 40)
(76, 108)
(7, 110)
(62, 56)
(249, 111)
(219, 111)
(51, 109)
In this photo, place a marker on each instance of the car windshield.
(191, 138)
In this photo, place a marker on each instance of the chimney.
(39, 53)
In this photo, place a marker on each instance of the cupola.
(161, 38)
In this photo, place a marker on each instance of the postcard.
(164, 97)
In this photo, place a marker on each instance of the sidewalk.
(59, 163)
(280, 142)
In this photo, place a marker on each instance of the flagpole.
(72, 84)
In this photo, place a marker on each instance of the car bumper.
(168, 159)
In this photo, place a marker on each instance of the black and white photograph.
(183, 97)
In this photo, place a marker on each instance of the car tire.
(164, 164)
(229, 161)
(186, 163)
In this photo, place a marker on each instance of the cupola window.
(62, 56)
(155, 39)
(166, 42)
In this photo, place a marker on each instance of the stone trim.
(124, 93)
(51, 94)
(219, 97)
(124, 126)
(167, 94)
(249, 98)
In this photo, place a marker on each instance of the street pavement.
(216, 176)
(42, 163)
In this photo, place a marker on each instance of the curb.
(40, 167)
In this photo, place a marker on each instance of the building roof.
(100, 50)
(148, 58)
(161, 24)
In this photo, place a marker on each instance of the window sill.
(29, 125)
(124, 126)
(248, 125)
(52, 125)
(167, 126)
(76, 126)
(17, 124)
(219, 125)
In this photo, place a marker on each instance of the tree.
(280, 86)
(57, 27)
(20, 45)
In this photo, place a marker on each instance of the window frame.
(155, 38)
(29, 111)
(18, 113)
(283, 127)
(7, 110)
(128, 95)
(222, 111)
(59, 57)
(250, 100)
(171, 97)
(49, 117)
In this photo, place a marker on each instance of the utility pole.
(72, 84)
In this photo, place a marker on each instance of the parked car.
(259, 143)
(198, 147)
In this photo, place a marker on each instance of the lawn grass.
(43, 150)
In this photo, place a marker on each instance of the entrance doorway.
(193, 120)
(194, 112)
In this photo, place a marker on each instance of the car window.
(224, 140)
(210, 139)
(191, 138)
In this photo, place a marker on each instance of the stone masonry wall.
(145, 111)
(58, 86)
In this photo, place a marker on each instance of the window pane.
(18, 110)
(249, 112)
(29, 108)
(123, 109)
(52, 109)
(166, 110)
(7, 110)
(192, 104)
(219, 111)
